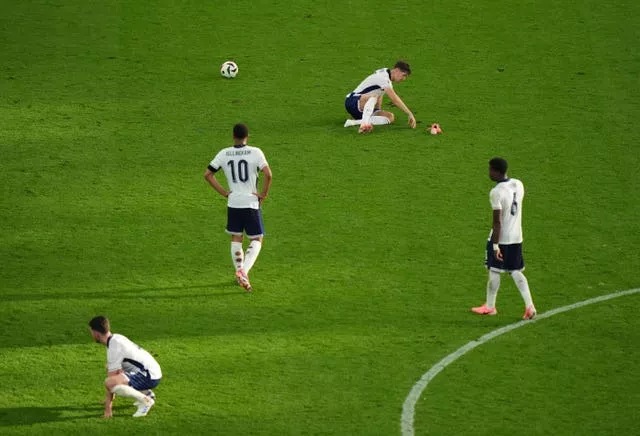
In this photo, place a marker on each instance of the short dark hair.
(240, 131)
(498, 164)
(100, 324)
(403, 66)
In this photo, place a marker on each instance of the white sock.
(237, 256)
(523, 286)
(351, 122)
(493, 284)
(253, 250)
(128, 391)
(369, 106)
(378, 120)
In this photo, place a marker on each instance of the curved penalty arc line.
(408, 408)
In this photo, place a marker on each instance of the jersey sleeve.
(262, 160)
(217, 162)
(385, 81)
(494, 199)
(115, 356)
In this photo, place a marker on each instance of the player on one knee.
(364, 104)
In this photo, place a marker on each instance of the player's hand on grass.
(412, 121)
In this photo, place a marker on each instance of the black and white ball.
(229, 70)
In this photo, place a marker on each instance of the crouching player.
(131, 371)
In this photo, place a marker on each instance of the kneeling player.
(364, 104)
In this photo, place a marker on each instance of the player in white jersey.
(242, 164)
(131, 371)
(504, 247)
(364, 104)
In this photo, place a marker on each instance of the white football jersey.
(124, 354)
(507, 197)
(241, 166)
(377, 83)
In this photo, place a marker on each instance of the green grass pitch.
(110, 112)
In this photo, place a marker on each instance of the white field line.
(408, 408)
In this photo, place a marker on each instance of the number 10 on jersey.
(239, 170)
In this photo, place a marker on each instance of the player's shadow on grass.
(11, 416)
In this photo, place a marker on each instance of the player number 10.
(242, 171)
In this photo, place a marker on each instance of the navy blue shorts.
(511, 258)
(141, 381)
(351, 105)
(247, 221)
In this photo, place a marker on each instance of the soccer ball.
(229, 70)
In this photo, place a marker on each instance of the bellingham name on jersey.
(237, 152)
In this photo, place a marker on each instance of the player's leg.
(237, 254)
(367, 104)
(514, 263)
(381, 117)
(489, 307)
(250, 221)
(253, 250)
(149, 393)
(351, 105)
(523, 286)
(119, 385)
(494, 266)
(239, 262)
(142, 382)
(255, 232)
(236, 230)
(493, 285)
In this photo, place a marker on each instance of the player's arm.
(210, 177)
(395, 98)
(108, 404)
(108, 400)
(495, 234)
(266, 184)
(379, 102)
